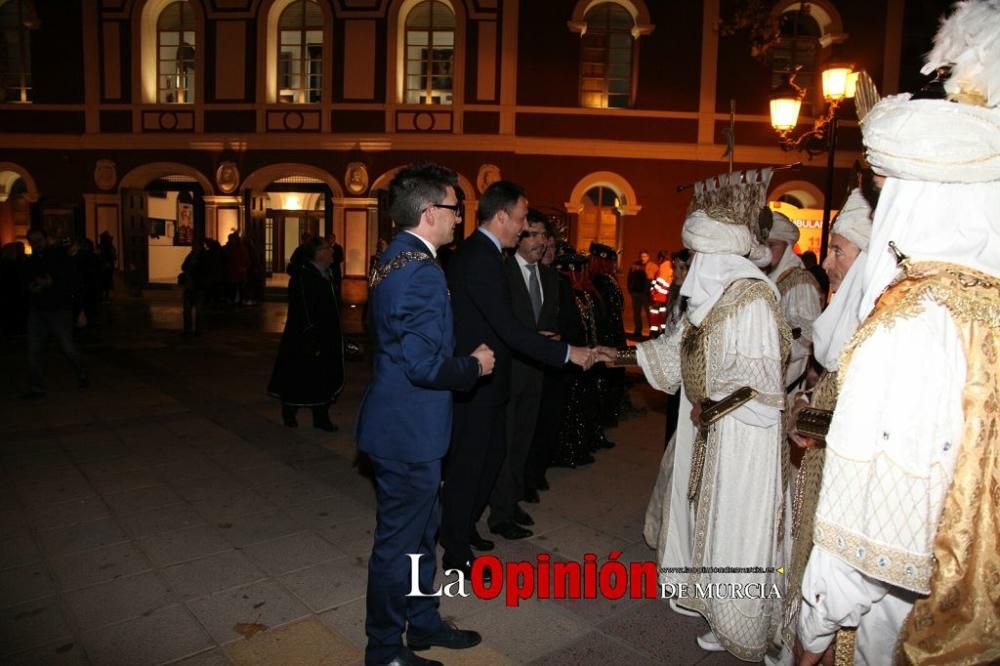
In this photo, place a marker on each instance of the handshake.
(585, 357)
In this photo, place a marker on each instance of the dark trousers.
(59, 325)
(546, 428)
(194, 304)
(521, 416)
(477, 451)
(407, 517)
(673, 416)
(640, 304)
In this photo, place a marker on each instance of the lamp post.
(839, 81)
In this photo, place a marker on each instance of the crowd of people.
(878, 546)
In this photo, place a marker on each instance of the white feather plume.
(969, 42)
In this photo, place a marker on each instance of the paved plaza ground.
(164, 515)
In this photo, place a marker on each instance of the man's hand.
(606, 354)
(486, 359)
(696, 413)
(793, 434)
(582, 356)
(804, 658)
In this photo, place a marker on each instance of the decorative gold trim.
(399, 261)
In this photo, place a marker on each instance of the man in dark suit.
(534, 291)
(405, 419)
(480, 296)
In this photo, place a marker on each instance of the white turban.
(854, 220)
(784, 229)
(933, 140)
(712, 234)
(760, 255)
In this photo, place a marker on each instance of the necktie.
(534, 291)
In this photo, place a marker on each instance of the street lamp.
(839, 81)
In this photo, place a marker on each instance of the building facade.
(270, 118)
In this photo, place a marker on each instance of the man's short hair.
(501, 195)
(414, 188)
(312, 246)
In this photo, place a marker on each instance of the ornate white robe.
(741, 512)
(897, 455)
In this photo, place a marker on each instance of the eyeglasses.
(455, 208)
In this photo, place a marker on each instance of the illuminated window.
(300, 53)
(606, 57)
(600, 217)
(430, 54)
(15, 52)
(175, 48)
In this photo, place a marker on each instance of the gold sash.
(959, 622)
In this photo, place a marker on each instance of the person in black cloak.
(309, 369)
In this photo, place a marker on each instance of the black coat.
(309, 369)
(481, 300)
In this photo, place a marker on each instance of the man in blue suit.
(404, 424)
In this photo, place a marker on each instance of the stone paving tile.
(69, 512)
(181, 474)
(126, 481)
(336, 510)
(239, 456)
(246, 530)
(66, 652)
(265, 603)
(140, 641)
(98, 566)
(528, 631)
(574, 541)
(218, 487)
(165, 519)
(17, 548)
(30, 625)
(142, 499)
(119, 600)
(328, 584)
(292, 552)
(292, 495)
(269, 474)
(184, 545)
(306, 642)
(12, 520)
(22, 584)
(348, 620)
(239, 504)
(212, 574)
(214, 657)
(594, 648)
(657, 631)
(73, 486)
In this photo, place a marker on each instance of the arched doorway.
(600, 201)
(162, 216)
(802, 203)
(17, 194)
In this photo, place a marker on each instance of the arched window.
(600, 217)
(430, 53)
(606, 57)
(175, 48)
(300, 53)
(797, 48)
(15, 52)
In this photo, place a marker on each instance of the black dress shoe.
(448, 636)
(328, 426)
(479, 543)
(407, 658)
(466, 569)
(521, 517)
(543, 484)
(605, 443)
(531, 496)
(511, 531)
